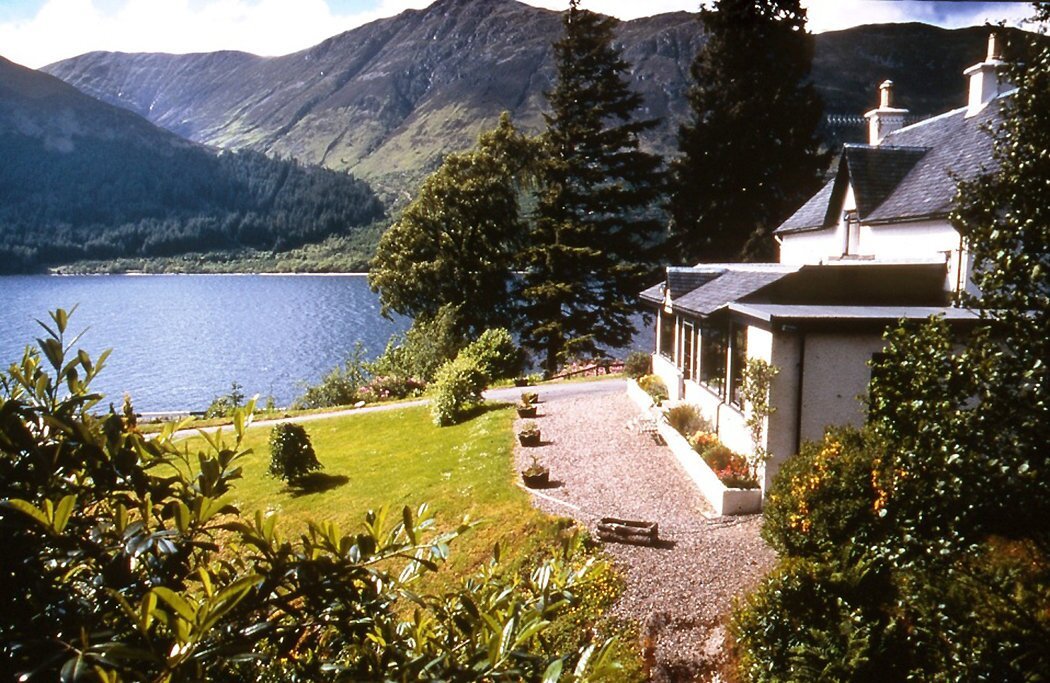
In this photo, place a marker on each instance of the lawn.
(398, 458)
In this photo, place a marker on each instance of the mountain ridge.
(388, 99)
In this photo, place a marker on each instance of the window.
(688, 338)
(738, 352)
(666, 335)
(713, 358)
(852, 236)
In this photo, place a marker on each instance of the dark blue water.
(180, 340)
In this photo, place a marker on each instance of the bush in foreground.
(496, 354)
(292, 456)
(122, 562)
(638, 364)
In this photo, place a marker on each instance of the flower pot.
(529, 439)
(536, 481)
(521, 381)
(529, 411)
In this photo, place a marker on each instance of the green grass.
(398, 458)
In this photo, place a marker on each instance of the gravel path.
(603, 466)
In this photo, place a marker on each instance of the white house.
(872, 247)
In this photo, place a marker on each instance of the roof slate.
(912, 175)
(726, 288)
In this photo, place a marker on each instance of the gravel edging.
(602, 465)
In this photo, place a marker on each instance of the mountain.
(388, 99)
(83, 179)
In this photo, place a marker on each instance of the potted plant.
(530, 398)
(529, 434)
(535, 476)
(526, 409)
(521, 381)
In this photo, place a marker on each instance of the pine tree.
(592, 242)
(749, 155)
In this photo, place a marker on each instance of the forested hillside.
(81, 179)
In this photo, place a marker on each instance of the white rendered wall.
(810, 247)
(836, 377)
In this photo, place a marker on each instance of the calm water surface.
(180, 340)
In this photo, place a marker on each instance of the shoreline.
(236, 274)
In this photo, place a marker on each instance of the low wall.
(726, 501)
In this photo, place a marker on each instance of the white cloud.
(65, 28)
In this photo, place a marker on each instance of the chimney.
(984, 78)
(885, 119)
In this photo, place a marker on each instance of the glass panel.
(666, 335)
(713, 358)
(738, 348)
(687, 350)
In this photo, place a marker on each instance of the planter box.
(529, 439)
(536, 481)
(725, 501)
(527, 412)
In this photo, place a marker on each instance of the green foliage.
(292, 456)
(590, 249)
(225, 405)
(457, 389)
(123, 562)
(686, 419)
(341, 386)
(427, 345)
(749, 152)
(758, 376)
(812, 621)
(638, 363)
(496, 354)
(655, 387)
(456, 243)
(824, 498)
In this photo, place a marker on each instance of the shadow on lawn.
(316, 482)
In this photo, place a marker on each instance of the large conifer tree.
(749, 154)
(591, 245)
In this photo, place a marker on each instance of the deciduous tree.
(457, 242)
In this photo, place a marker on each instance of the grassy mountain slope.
(83, 179)
(388, 99)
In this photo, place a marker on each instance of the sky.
(38, 32)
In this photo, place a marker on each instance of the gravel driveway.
(602, 465)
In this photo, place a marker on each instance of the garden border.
(726, 501)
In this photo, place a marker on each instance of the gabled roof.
(911, 176)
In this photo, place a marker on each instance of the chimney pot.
(994, 49)
(886, 94)
(984, 78)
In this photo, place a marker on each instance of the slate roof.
(706, 288)
(911, 176)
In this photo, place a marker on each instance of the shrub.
(427, 345)
(292, 455)
(654, 386)
(457, 388)
(686, 419)
(341, 386)
(702, 439)
(388, 387)
(496, 354)
(638, 364)
(730, 467)
(223, 406)
(824, 497)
